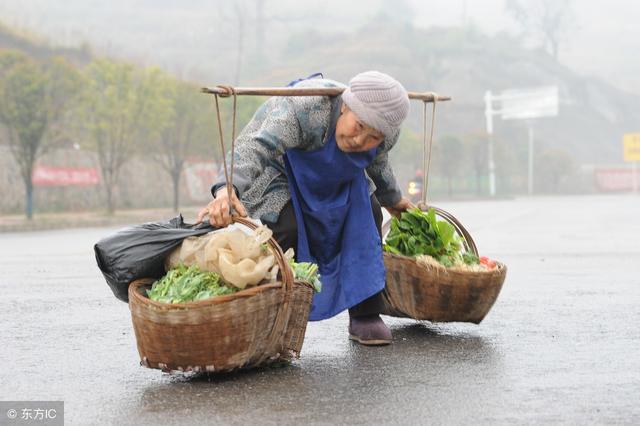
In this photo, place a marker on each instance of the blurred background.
(100, 108)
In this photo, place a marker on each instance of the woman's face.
(352, 135)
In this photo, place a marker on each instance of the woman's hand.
(402, 205)
(219, 211)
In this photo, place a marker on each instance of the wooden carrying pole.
(224, 91)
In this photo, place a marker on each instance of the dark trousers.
(285, 231)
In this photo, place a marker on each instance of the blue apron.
(336, 229)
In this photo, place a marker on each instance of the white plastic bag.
(241, 258)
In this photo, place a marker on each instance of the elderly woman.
(316, 171)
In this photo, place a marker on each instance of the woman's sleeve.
(273, 129)
(387, 191)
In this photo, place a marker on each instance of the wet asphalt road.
(561, 345)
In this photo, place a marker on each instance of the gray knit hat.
(378, 100)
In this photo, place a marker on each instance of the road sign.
(529, 103)
(519, 104)
(632, 147)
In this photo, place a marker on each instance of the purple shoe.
(369, 330)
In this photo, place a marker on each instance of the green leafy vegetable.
(306, 271)
(470, 258)
(187, 284)
(418, 233)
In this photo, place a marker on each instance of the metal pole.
(488, 112)
(530, 180)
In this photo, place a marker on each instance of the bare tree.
(245, 24)
(240, 19)
(261, 31)
(548, 20)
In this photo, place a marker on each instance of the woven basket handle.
(279, 326)
(467, 240)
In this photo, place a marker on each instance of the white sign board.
(528, 103)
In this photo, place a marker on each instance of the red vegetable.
(487, 262)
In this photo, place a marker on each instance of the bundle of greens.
(187, 284)
(308, 272)
(420, 234)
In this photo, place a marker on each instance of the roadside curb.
(57, 221)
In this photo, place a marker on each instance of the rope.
(282, 316)
(224, 158)
(228, 175)
(426, 159)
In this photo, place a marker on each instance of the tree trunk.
(259, 56)
(240, 43)
(29, 206)
(175, 177)
(554, 48)
(110, 204)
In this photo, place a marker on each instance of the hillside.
(29, 43)
(464, 64)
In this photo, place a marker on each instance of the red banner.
(200, 175)
(614, 179)
(65, 176)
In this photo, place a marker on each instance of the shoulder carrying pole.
(226, 91)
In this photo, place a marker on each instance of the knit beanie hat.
(378, 100)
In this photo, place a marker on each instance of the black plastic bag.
(139, 251)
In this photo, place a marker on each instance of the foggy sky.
(604, 39)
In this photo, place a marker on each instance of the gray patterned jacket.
(303, 122)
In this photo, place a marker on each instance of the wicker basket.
(439, 294)
(241, 330)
